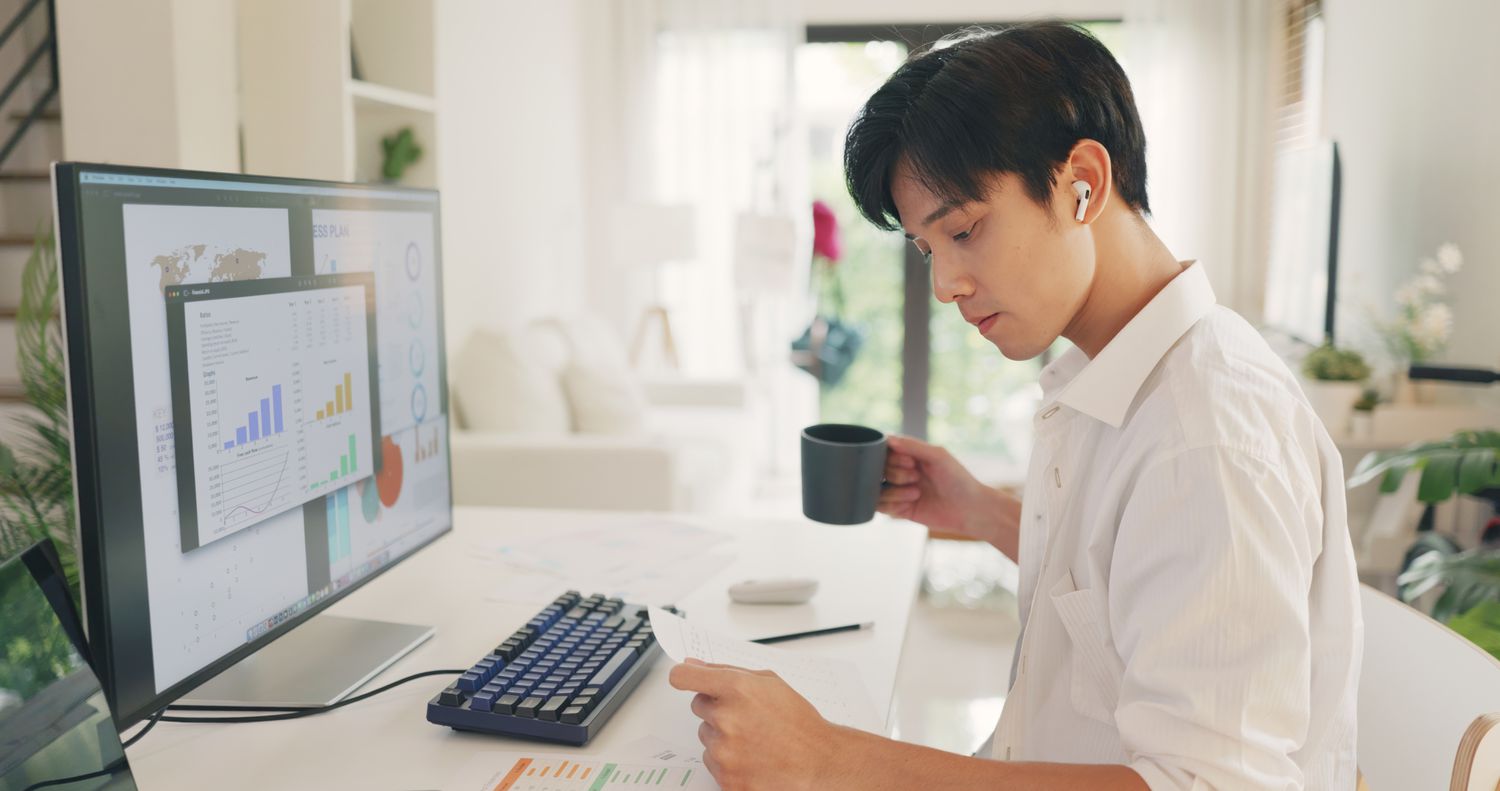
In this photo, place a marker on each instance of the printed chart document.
(514, 771)
(832, 686)
(653, 563)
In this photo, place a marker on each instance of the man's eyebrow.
(942, 211)
(938, 214)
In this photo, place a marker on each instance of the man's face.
(1017, 270)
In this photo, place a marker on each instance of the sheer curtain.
(707, 120)
(1202, 74)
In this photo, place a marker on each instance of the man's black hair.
(1010, 101)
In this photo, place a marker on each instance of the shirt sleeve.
(1208, 603)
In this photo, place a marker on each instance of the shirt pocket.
(1096, 669)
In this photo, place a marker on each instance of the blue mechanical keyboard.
(559, 677)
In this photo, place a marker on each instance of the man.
(1188, 589)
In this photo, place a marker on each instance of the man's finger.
(703, 707)
(900, 476)
(699, 677)
(915, 448)
(707, 735)
(900, 494)
(711, 762)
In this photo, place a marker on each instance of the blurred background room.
(655, 277)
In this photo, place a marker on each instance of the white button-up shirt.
(1188, 587)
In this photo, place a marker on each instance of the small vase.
(1332, 402)
(1406, 392)
(1362, 424)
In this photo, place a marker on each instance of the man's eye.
(959, 237)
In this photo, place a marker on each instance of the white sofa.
(550, 416)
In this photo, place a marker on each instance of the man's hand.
(930, 487)
(757, 732)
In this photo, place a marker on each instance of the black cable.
(150, 723)
(161, 716)
(114, 766)
(293, 714)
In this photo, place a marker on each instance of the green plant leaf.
(1481, 625)
(1476, 470)
(1390, 467)
(1439, 476)
(1391, 481)
(1424, 574)
(36, 497)
(1467, 578)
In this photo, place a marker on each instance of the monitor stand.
(315, 664)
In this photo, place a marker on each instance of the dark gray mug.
(842, 470)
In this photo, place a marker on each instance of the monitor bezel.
(83, 442)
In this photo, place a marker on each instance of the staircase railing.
(46, 49)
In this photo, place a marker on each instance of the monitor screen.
(259, 396)
(1302, 264)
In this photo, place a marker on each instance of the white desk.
(868, 573)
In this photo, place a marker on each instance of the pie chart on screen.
(388, 479)
(369, 500)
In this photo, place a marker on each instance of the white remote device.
(774, 590)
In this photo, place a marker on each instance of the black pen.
(853, 627)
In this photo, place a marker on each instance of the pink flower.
(825, 232)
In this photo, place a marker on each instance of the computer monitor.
(1303, 262)
(257, 379)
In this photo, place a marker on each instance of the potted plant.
(36, 481)
(1362, 421)
(1466, 582)
(1334, 380)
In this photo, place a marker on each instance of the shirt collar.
(1105, 387)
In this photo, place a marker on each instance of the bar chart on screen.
(279, 401)
(515, 772)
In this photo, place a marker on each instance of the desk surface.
(868, 573)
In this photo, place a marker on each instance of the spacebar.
(610, 673)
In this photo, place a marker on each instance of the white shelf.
(372, 94)
(303, 114)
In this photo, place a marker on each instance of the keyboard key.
(528, 707)
(483, 700)
(613, 669)
(552, 708)
(586, 702)
(506, 704)
(591, 691)
(573, 715)
(451, 697)
(469, 682)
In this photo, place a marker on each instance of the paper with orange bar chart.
(543, 772)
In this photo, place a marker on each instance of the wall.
(511, 121)
(150, 82)
(1409, 96)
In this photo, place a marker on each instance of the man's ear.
(1088, 162)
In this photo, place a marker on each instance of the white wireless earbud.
(1084, 192)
